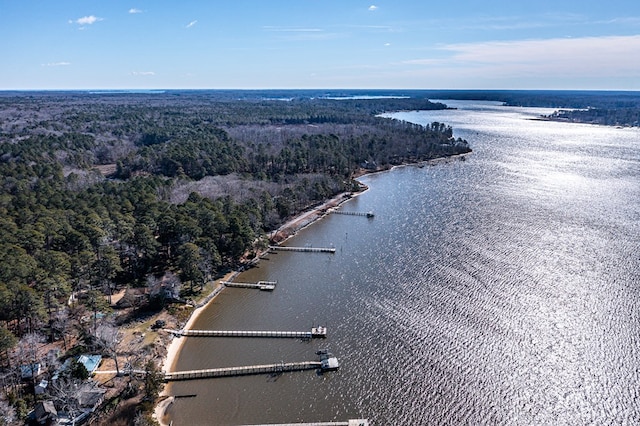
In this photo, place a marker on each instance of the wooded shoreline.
(289, 229)
(149, 196)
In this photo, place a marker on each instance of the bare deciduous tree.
(28, 348)
(60, 325)
(7, 413)
(108, 338)
(67, 394)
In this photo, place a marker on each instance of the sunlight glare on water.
(502, 289)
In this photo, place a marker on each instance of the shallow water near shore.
(501, 289)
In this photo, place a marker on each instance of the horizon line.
(164, 90)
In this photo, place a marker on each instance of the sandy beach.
(173, 350)
(286, 231)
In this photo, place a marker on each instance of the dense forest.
(164, 191)
(105, 191)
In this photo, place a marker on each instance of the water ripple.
(499, 290)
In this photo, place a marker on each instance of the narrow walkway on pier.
(316, 332)
(260, 285)
(304, 249)
(369, 215)
(242, 371)
(353, 422)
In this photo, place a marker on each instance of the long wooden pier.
(242, 371)
(316, 332)
(260, 285)
(353, 422)
(304, 249)
(369, 215)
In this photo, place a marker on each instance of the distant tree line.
(602, 116)
(610, 108)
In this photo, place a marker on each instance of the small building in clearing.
(30, 371)
(90, 362)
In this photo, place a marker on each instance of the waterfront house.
(41, 387)
(45, 413)
(90, 362)
(30, 371)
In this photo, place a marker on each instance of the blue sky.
(247, 44)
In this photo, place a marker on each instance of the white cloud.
(599, 62)
(585, 55)
(191, 24)
(387, 44)
(56, 64)
(627, 20)
(373, 7)
(87, 20)
(134, 10)
(143, 73)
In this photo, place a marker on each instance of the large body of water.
(504, 289)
